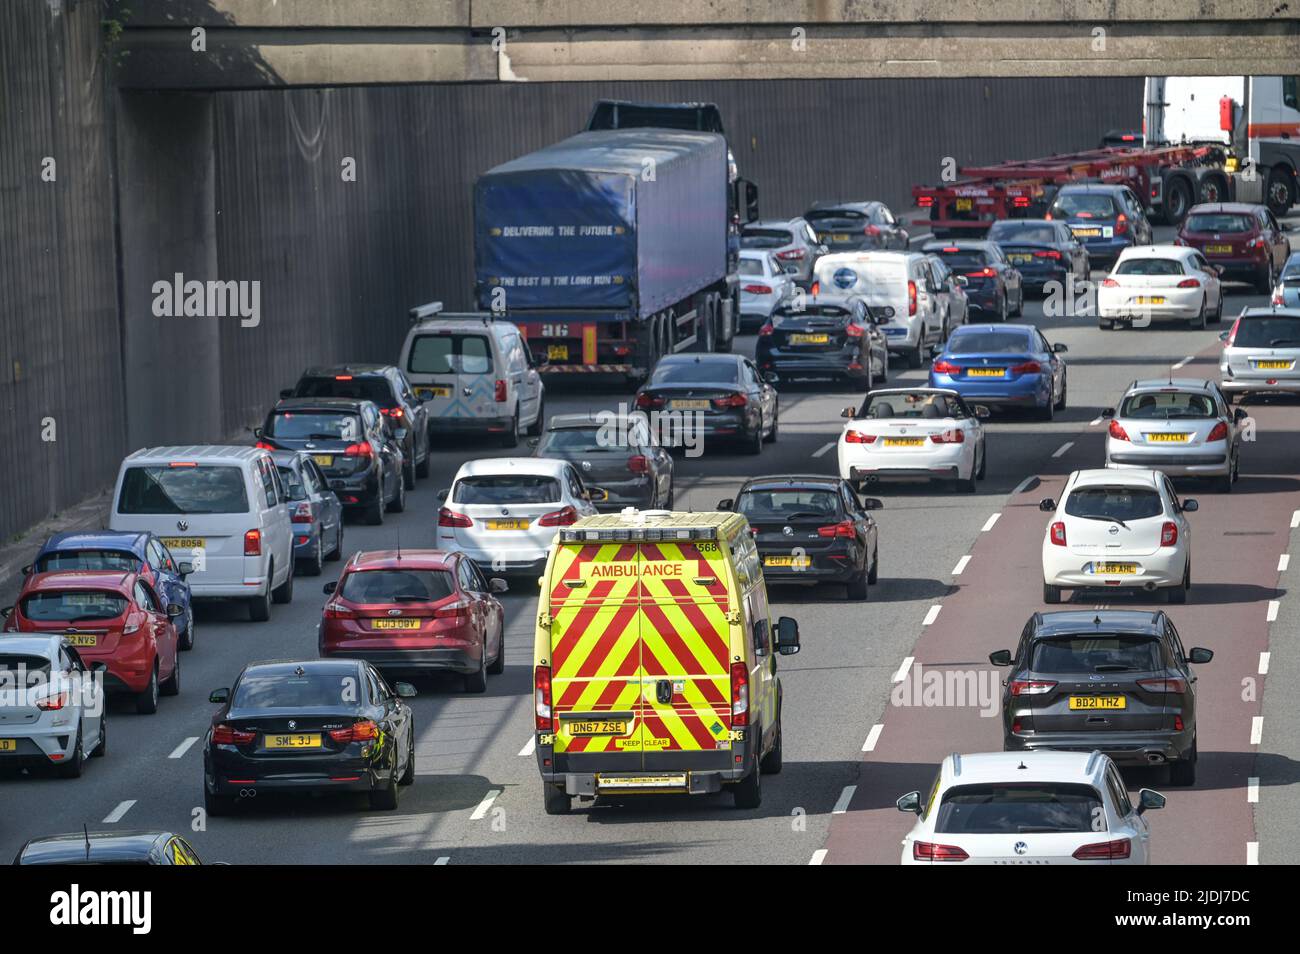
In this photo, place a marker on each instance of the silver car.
(616, 452)
(51, 705)
(1183, 427)
(792, 241)
(1287, 290)
(1261, 354)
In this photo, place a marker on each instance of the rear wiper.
(803, 513)
(410, 599)
(1281, 341)
(1116, 668)
(1090, 516)
(1039, 829)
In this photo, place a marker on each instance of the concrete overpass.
(250, 44)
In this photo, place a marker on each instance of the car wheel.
(856, 589)
(755, 444)
(476, 681)
(73, 767)
(748, 792)
(101, 747)
(408, 777)
(1048, 413)
(408, 472)
(1218, 310)
(771, 763)
(146, 701)
(375, 512)
(984, 463)
(313, 566)
(1199, 321)
(1051, 594)
(398, 503)
(217, 805)
(874, 573)
(511, 437)
(535, 428)
(1178, 594)
(1264, 280)
(668, 504)
(966, 485)
(498, 665)
(1223, 485)
(915, 357)
(555, 800)
(1020, 304)
(186, 640)
(1105, 324)
(1060, 405)
(259, 607)
(337, 552)
(1183, 772)
(172, 685)
(385, 799)
(283, 594)
(776, 423)
(1002, 314)
(422, 468)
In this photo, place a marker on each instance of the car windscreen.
(988, 342)
(289, 690)
(1083, 205)
(1013, 808)
(121, 561)
(1267, 331)
(1096, 653)
(576, 440)
(163, 489)
(506, 489)
(765, 238)
(1165, 405)
(1013, 232)
(396, 586)
(964, 259)
(292, 481)
(450, 353)
(1219, 222)
(1149, 266)
(369, 387)
(314, 425)
(751, 266)
(696, 372)
(70, 606)
(1114, 503)
(765, 505)
(920, 405)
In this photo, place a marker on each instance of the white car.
(764, 287)
(221, 511)
(1118, 529)
(1028, 808)
(900, 288)
(503, 512)
(51, 705)
(913, 434)
(1160, 283)
(475, 373)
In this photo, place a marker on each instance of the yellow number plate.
(963, 205)
(394, 624)
(1020, 258)
(1273, 365)
(434, 390)
(8, 745)
(904, 441)
(1218, 249)
(507, 524)
(810, 339)
(1115, 569)
(324, 460)
(1098, 702)
(786, 561)
(81, 640)
(183, 543)
(1086, 233)
(597, 727)
(300, 740)
(985, 372)
(1150, 299)
(681, 404)
(557, 352)
(838, 237)
(1167, 438)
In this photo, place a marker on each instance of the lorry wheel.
(705, 332)
(1280, 193)
(1178, 199)
(555, 801)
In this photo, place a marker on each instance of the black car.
(352, 443)
(388, 388)
(1042, 251)
(811, 529)
(860, 226)
(715, 396)
(994, 288)
(321, 725)
(828, 336)
(109, 848)
(1114, 680)
(617, 453)
(1107, 218)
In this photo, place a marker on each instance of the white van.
(221, 510)
(477, 373)
(901, 291)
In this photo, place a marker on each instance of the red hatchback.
(115, 620)
(416, 611)
(1244, 240)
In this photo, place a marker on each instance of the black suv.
(1114, 680)
(389, 389)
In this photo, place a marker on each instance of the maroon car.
(416, 611)
(1244, 240)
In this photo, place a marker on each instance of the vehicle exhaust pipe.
(1150, 587)
(248, 793)
(1155, 758)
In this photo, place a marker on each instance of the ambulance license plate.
(1098, 702)
(641, 781)
(597, 727)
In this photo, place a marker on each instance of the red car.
(1244, 240)
(116, 620)
(416, 611)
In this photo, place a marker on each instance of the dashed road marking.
(183, 747)
(1095, 421)
(902, 670)
(1252, 789)
(1263, 663)
(1020, 487)
(824, 449)
(1252, 852)
(988, 524)
(530, 747)
(117, 814)
(873, 737)
(485, 805)
(1283, 562)
(818, 856)
(932, 615)
(846, 796)
(1295, 519)
(961, 565)
(1063, 449)
(442, 859)
(1273, 607)
(1256, 729)
(1185, 362)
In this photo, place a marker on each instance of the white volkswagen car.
(502, 512)
(1029, 808)
(1121, 529)
(913, 434)
(1160, 283)
(51, 705)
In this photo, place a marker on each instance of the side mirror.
(1047, 505)
(1059, 348)
(442, 496)
(787, 636)
(259, 432)
(1107, 412)
(329, 588)
(1149, 800)
(533, 442)
(497, 585)
(872, 503)
(961, 280)
(185, 567)
(286, 392)
(175, 610)
(1223, 335)
(1240, 415)
(400, 434)
(27, 570)
(1217, 269)
(911, 802)
(1191, 506)
(1200, 656)
(219, 696)
(771, 377)
(982, 411)
(727, 503)
(404, 690)
(99, 667)
(1000, 658)
(6, 611)
(849, 412)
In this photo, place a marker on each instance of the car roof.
(791, 480)
(1042, 765)
(1103, 477)
(426, 559)
(771, 224)
(130, 540)
(947, 392)
(879, 255)
(320, 403)
(974, 245)
(199, 453)
(1157, 251)
(559, 422)
(824, 299)
(31, 644)
(284, 458)
(1264, 311)
(854, 205)
(321, 371)
(1023, 329)
(1067, 622)
(1099, 187)
(119, 581)
(343, 664)
(1164, 384)
(685, 358)
(1244, 208)
(496, 466)
(106, 847)
(755, 252)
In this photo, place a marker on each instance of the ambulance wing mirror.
(787, 636)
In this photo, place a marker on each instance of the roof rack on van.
(429, 310)
(434, 309)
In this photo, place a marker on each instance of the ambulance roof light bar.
(638, 534)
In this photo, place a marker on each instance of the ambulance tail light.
(542, 695)
(739, 694)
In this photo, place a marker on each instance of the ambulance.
(654, 658)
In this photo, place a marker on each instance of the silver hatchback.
(1182, 427)
(1261, 354)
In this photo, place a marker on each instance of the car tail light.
(857, 437)
(925, 201)
(499, 395)
(767, 328)
(1277, 296)
(363, 731)
(1029, 367)
(1180, 241)
(1190, 283)
(1218, 433)
(739, 694)
(944, 367)
(359, 450)
(1121, 224)
(253, 543)
(1232, 335)
(816, 289)
(1110, 283)
(982, 273)
(302, 512)
(1256, 242)
(1030, 687)
(638, 464)
(871, 230)
(1169, 534)
(1020, 202)
(457, 609)
(1057, 534)
(1116, 430)
(132, 624)
(1105, 850)
(929, 851)
(911, 299)
(956, 436)
(450, 518)
(52, 703)
(263, 445)
(563, 517)
(730, 401)
(853, 331)
(646, 401)
(342, 377)
(542, 698)
(757, 289)
(843, 529)
(1049, 253)
(1178, 723)
(396, 413)
(337, 610)
(792, 254)
(228, 735)
(1048, 216)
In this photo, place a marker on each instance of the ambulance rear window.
(506, 489)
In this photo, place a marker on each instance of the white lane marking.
(873, 737)
(846, 796)
(1273, 607)
(183, 747)
(1095, 421)
(825, 449)
(117, 814)
(1283, 562)
(988, 524)
(1252, 852)
(1252, 789)
(530, 747)
(932, 615)
(442, 859)
(1256, 729)
(484, 805)
(902, 672)
(818, 856)
(1063, 449)
(1186, 361)
(961, 565)
(1295, 519)
(1020, 487)
(1263, 663)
